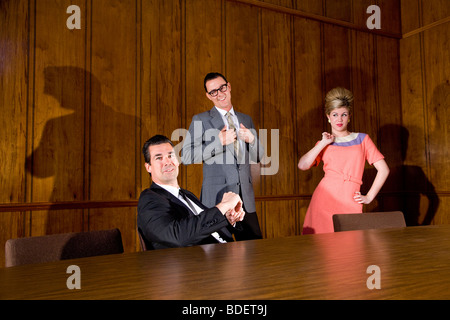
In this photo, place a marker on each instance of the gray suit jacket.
(222, 171)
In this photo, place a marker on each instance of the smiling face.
(163, 164)
(222, 99)
(339, 118)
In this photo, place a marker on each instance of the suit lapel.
(217, 123)
(170, 197)
(194, 199)
(241, 119)
(243, 154)
(224, 232)
(216, 119)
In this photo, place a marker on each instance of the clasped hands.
(231, 207)
(229, 136)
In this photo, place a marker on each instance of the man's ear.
(148, 167)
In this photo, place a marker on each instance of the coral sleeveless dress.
(343, 164)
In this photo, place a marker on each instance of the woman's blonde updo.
(338, 98)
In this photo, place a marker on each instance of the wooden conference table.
(414, 263)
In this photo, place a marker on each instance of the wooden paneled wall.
(77, 105)
(425, 88)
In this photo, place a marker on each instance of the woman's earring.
(329, 121)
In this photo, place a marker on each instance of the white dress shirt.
(235, 121)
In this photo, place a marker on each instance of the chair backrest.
(62, 246)
(144, 245)
(369, 220)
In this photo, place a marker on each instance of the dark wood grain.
(414, 264)
(77, 105)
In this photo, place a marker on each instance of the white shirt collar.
(176, 193)
(223, 112)
(173, 190)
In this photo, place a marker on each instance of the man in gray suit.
(225, 141)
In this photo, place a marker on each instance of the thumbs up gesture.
(245, 134)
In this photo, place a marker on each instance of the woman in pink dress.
(344, 154)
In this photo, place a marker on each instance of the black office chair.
(63, 246)
(369, 220)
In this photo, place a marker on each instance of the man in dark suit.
(225, 141)
(169, 216)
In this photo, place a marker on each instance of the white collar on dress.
(348, 138)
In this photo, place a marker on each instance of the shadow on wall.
(93, 132)
(408, 183)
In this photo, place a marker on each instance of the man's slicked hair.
(212, 76)
(153, 141)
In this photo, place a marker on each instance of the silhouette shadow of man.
(81, 150)
(408, 183)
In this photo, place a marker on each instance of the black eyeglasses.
(215, 92)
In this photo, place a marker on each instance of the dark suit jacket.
(164, 221)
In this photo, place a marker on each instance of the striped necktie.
(231, 126)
